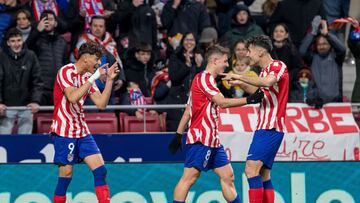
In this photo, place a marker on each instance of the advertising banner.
(330, 133)
(296, 182)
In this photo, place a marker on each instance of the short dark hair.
(90, 48)
(216, 49)
(97, 17)
(143, 46)
(12, 32)
(45, 13)
(260, 41)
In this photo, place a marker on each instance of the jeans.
(24, 121)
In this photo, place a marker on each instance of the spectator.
(208, 38)
(224, 9)
(20, 84)
(325, 62)
(23, 23)
(36, 7)
(137, 21)
(184, 64)
(354, 46)
(297, 16)
(134, 96)
(99, 35)
(240, 67)
(8, 9)
(184, 16)
(285, 51)
(243, 26)
(335, 9)
(139, 67)
(304, 90)
(51, 49)
(160, 84)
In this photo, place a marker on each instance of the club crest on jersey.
(70, 157)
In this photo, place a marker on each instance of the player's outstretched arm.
(102, 99)
(235, 79)
(223, 102)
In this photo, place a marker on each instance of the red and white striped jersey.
(68, 119)
(272, 109)
(204, 114)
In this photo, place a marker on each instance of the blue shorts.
(205, 158)
(69, 151)
(264, 146)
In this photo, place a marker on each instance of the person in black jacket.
(20, 84)
(137, 21)
(184, 16)
(184, 64)
(285, 51)
(51, 49)
(139, 67)
(297, 15)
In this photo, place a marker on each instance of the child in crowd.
(240, 67)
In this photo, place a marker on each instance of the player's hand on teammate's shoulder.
(175, 143)
(256, 97)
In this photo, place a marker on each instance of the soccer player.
(72, 140)
(274, 82)
(203, 148)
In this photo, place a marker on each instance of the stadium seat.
(103, 122)
(163, 121)
(121, 121)
(42, 122)
(132, 124)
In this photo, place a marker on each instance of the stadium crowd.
(160, 46)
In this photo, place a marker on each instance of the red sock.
(269, 196)
(256, 195)
(103, 193)
(59, 199)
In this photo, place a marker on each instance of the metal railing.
(355, 108)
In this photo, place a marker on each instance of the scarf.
(137, 98)
(39, 7)
(92, 8)
(159, 76)
(25, 32)
(108, 43)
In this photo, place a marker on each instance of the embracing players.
(203, 149)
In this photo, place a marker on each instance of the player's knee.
(66, 172)
(265, 174)
(250, 171)
(228, 178)
(189, 180)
